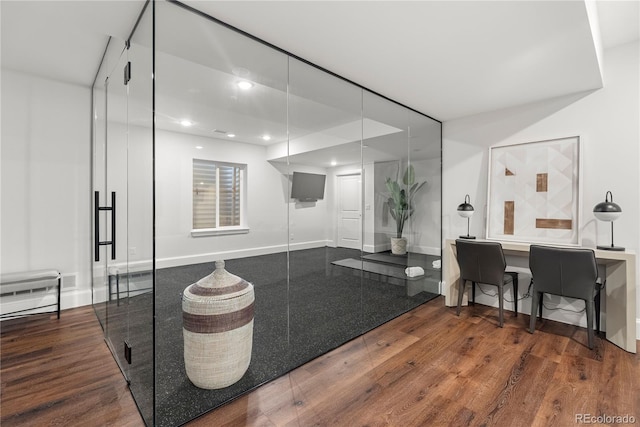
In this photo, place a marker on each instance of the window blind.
(204, 194)
(229, 200)
(217, 194)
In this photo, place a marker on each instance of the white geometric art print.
(534, 192)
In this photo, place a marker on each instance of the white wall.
(425, 222)
(269, 207)
(608, 123)
(45, 199)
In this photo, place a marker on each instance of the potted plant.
(400, 205)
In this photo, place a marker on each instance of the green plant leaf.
(409, 176)
(401, 196)
(392, 208)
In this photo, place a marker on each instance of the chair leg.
(59, 288)
(540, 304)
(473, 293)
(597, 306)
(589, 309)
(534, 308)
(501, 305)
(515, 294)
(461, 284)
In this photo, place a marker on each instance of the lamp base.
(467, 237)
(611, 248)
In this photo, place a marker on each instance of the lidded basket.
(217, 325)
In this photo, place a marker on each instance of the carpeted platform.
(298, 317)
(406, 260)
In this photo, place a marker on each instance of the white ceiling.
(445, 59)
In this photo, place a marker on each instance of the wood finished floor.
(425, 368)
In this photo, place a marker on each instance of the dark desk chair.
(566, 272)
(483, 262)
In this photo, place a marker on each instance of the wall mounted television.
(307, 187)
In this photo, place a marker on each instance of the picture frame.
(534, 192)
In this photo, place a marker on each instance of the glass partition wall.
(219, 146)
(122, 176)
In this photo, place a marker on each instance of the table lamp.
(608, 211)
(465, 210)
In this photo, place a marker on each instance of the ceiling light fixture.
(333, 163)
(244, 84)
(186, 123)
(266, 137)
(199, 147)
(231, 135)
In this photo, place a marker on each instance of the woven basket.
(217, 320)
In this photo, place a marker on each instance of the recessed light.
(186, 122)
(244, 84)
(199, 147)
(231, 135)
(266, 137)
(333, 163)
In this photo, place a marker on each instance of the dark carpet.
(406, 260)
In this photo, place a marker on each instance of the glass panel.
(139, 232)
(104, 284)
(116, 183)
(425, 156)
(385, 157)
(319, 261)
(198, 67)
(325, 133)
(398, 184)
(100, 287)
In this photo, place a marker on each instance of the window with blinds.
(217, 194)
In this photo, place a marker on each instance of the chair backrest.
(570, 272)
(481, 262)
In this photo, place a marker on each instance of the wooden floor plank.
(428, 367)
(60, 372)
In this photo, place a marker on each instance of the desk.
(620, 290)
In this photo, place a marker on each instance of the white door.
(349, 211)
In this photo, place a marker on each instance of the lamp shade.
(465, 209)
(607, 210)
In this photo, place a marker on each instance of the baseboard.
(427, 250)
(233, 254)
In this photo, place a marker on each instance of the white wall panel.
(45, 173)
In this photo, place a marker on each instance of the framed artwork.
(534, 192)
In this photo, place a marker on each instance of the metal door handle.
(96, 225)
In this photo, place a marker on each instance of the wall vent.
(69, 281)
